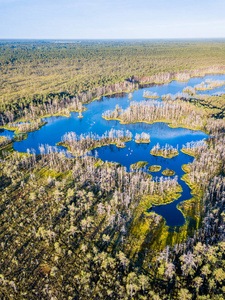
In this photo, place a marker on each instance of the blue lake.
(92, 121)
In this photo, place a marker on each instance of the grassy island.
(166, 153)
(190, 152)
(80, 149)
(209, 85)
(168, 172)
(151, 97)
(138, 165)
(179, 113)
(80, 145)
(171, 195)
(121, 145)
(154, 168)
(24, 127)
(142, 138)
(142, 141)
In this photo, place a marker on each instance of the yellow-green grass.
(138, 165)
(98, 144)
(190, 152)
(120, 145)
(144, 226)
(165, 153)
(186, 127)
(168, 172)
(7, 149)
(154, 168)
(144, 232)
(203, 74)
(60, 114)
(151, 97)
(99, 163)
(169, 122)
(204, 89)
(209, 88)
(3, 139)
(18, 131)
(195, 189)
(171, 195)
(142, 141)
(192, 207)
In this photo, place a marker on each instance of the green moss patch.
(139, 165)
(168, 172)
(154, 168)
(165, 153)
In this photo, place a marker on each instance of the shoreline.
(169, 122)
(127, 92)
(62, 144)
(169, 156)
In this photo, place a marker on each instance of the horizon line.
(110, 39)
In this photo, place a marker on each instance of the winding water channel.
(92, 121)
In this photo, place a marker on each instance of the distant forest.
(29, 69)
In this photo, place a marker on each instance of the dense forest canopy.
(29, 68)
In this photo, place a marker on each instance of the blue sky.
(111, 19)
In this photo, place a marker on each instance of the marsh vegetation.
(77, 226)
(154, 168)
(168, 172)
(139, 165)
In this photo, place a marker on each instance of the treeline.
(34, 72)
(181, 76)
(57, 104)
(178, 113)
(210, 161)
(80, 145)
(167, 151)
(213, 106)
(4, 141)
(209, 85)
(25, 127)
